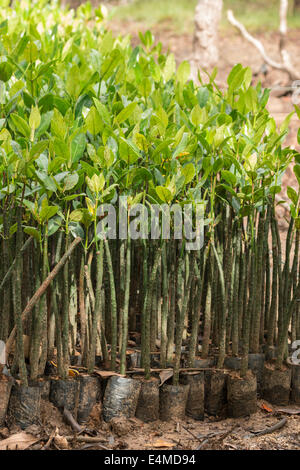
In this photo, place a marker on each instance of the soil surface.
(210, 434)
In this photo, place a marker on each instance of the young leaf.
(47, 212)
(93, 121)
(96, 183)
(292, 194)
(77, 147)
(183, 72)
(189, 172)
(126, 113)
(170, 67)
(164, 194)
(20, 125)
(34, 118)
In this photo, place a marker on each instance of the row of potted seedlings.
(208, 391)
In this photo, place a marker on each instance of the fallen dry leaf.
(162, 443)
(20, 441)
(61, 442)
(165, 375)
(289, 410)
(130, 351)
(73, 373)
(266, 408)
(107, 373)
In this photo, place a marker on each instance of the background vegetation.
(256, 15)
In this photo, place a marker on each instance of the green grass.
(179, 14)
(154, 13)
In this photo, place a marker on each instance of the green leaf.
(155, 70)
(76, 215)
(103, 112)
(46, 181)
(108, 157)
(189, 172)
(73, 85)
(284, 126)
(47, 212)
(275, 189)
(70, 181)
(31, 52)
(229, 177)
(38, 148)
(169, 68)
(297, 172)
(61, 148)
(6, 71)
(196, 116)
(77, 147)
(141, 142)
(67, 48)
(96, 183)
(162, 116)
(140, 175)
(93, 121)
(58, 125)
(34, 118)
(203, 96)
(4, 24)
(147, 39)
(110, 64)
(33, 232)
(126, 113)
(107, 42)
(20, 125)
(292, 194)
(164, 194)
(183, 72)
(297, 109)
(235, 78)
(45, 123)
(127, 151)
(13, 229)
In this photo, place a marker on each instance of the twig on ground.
(285, 65)
(192, 434)
(98, 445)
(217, 440)
(71, 420)
(87, 439)
(271, 429)
(49, 442)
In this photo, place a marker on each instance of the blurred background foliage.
(256, 15)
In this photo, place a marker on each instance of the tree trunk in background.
(283, 12)
(207, 18)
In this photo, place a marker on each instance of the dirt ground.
(133, 434)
